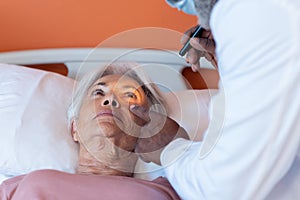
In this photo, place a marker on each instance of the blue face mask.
(186, 6)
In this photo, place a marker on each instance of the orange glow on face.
(124, 89)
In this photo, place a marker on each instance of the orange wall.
(30, 24)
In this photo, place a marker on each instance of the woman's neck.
(101, 169)
(105, 158)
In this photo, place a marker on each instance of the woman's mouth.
(108, 113)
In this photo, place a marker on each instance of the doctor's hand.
(201, 47)
(156, 134)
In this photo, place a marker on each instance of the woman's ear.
(74, 130)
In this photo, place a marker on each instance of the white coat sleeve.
(253, 136)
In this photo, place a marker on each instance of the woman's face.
(105, 109)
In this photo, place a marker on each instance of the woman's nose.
(110, 102)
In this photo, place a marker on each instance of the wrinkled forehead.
(117, 81)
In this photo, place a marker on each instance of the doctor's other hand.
(159, 131)
(201, 47)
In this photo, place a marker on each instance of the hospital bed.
(33, 103)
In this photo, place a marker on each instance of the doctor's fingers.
(203, 44)
(212, 59)
(195, 67)
(193, 57)
(142, 113)
(187, 34)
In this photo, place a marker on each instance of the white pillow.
(33, 121)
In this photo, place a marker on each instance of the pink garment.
(51, 184)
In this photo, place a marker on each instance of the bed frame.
(163, 66)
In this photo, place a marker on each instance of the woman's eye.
(131, 95)
(98, 92)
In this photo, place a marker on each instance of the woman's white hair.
(132, 70)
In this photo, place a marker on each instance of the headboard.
(164, 66)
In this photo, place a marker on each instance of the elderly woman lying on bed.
(107, 132)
